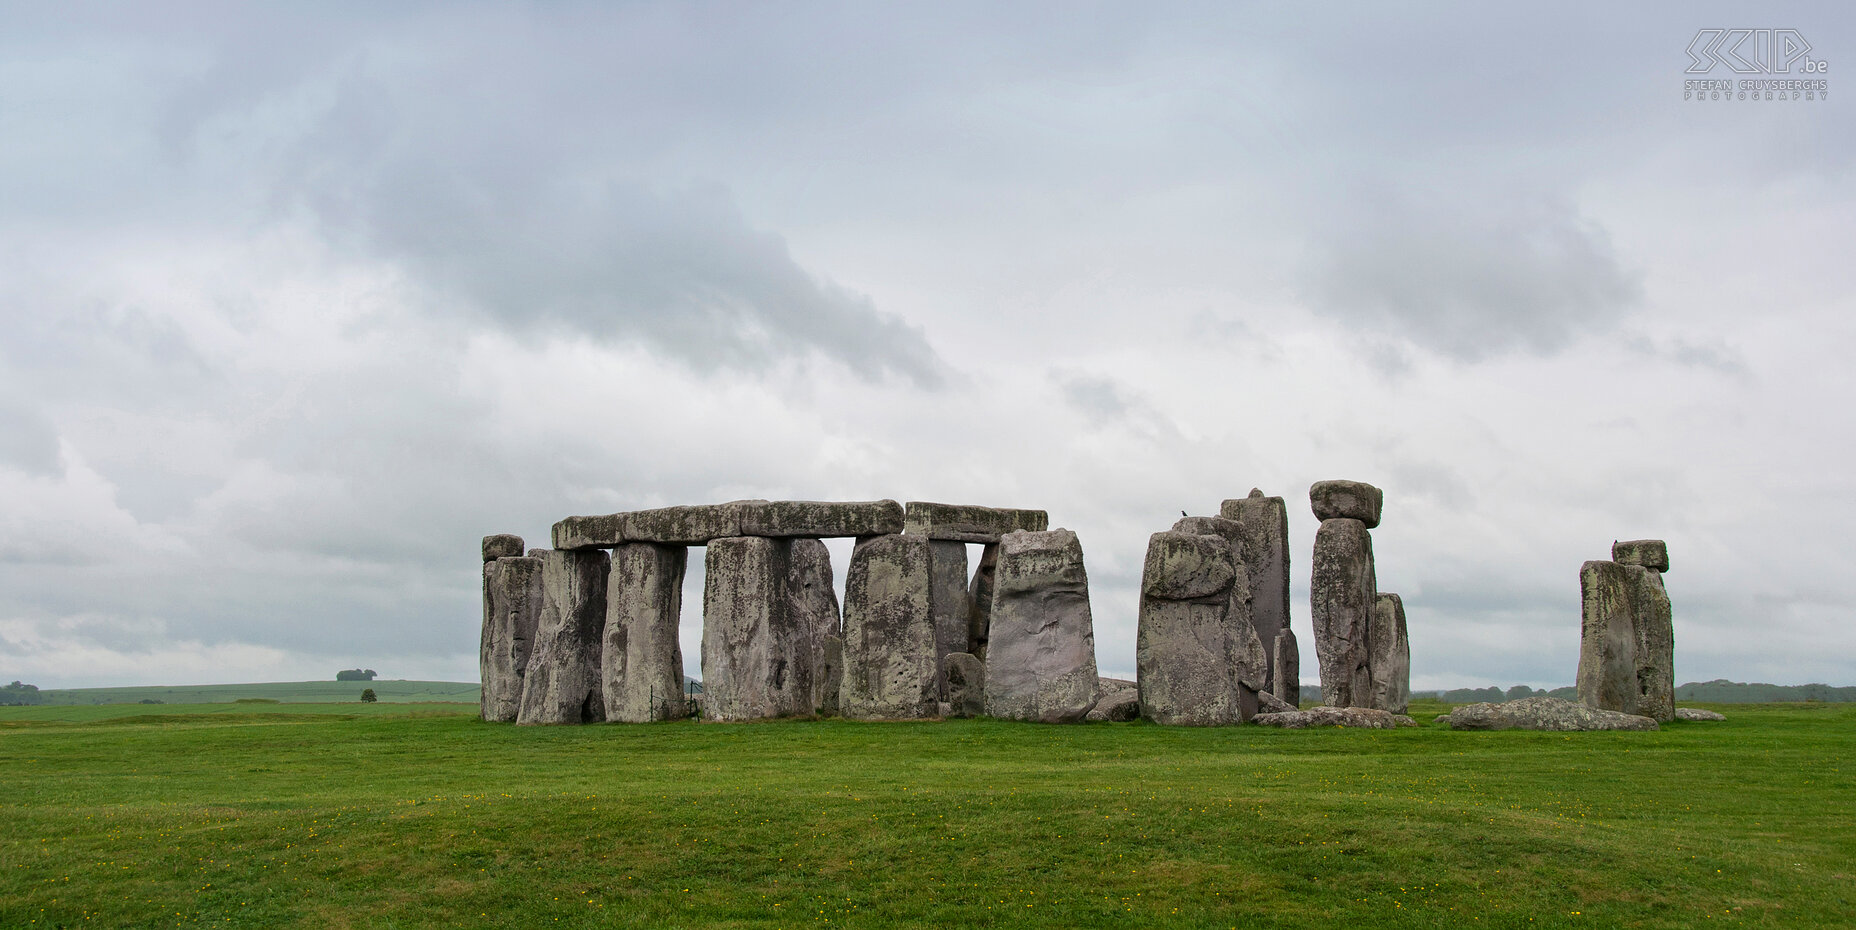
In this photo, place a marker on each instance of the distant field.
(289, 691)
(407, 815)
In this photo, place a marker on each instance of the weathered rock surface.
(1649, 553)
(968, 523)
(947, 603)
(1040, 650)
(689, 525)
(814, 604)
(889, 636)
(501, 546)
(1286, 665)
(1543, 713)
(642, 659)
(512, 599)
(1182, 566)
(979, 600)
(1389, 655)
(1607, 678)
(1697, 714)
(1183, 648)
(1117, 707)
(966, 684)
(1271, 704)
(755, 657)
(563, 681)
(814, 519)
(1342, 592)
(600, 531)
(1227, 530)
(1365, 717)
(1656, 643)
(1263, 528)
(831, 671)
(1346, 500)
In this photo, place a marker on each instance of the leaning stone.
(1649, 553)
(1341, 596)
(1041, 646)
(1183, 647)
(1346, 500)
(501, 546)
(889, 636)
(642, 657)
(1286, 665)
(512, 600)
(1182, 566)
(1263, 528)
(1607, 678)
(1271, 704)
(693, 525)
(1389, 655)
(1363, 717)
(755, 658)
(1697, 714)
(814, 606)
(979, 601)
(1543, 713)
(947, 603)
(968, 523)
(595, 532)
(564, 675)
(815, 519)
(966, 684)
(1119, 707)
(1656, 643)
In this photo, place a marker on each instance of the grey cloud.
(28, 441)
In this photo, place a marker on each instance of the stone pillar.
(889, 631)
(754, 656)
(1656, 644)
(831, 672)
(563, 680)
(512, 599)
(966, 684)
(815, 613)
(642, 660)
(1286, 661)
(947, 603)
(1341, 595)
(1607, 638)
(979, 601)
(1183, 644)
(1389, 655)
(1040, 650)
(1263, 544)
(1247, 658)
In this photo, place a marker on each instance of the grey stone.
(1649, 553)
(979, 601)
(755, 658)
(1183, 649)
(1040, 650)
(1182, 566)
(512, 600)
(1105, 685)
(1607, 678)
(1286, 665)
(831, 671)
(814, 606)
(966, 684)
(968, 523)
(1342, 591)
(889, 636)
(642, 658)
(538, 553)
(1363, 717)
(814, 519)
(1117, 707)
(1389, 655)
(1656, 643)
(563, 682)
(691, 525)
(1271, 704)
(1543, 713)
(602, 531)
(947, 603)
(501, 546)
(1249, 662)
(1263, 528)
(1697, 714)
(1227, 530)
(1346, 500)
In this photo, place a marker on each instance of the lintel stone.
(968, 522)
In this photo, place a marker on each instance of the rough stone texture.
(538, 553)
(642, 659)
(1346, 500)
(967, 523)
(1656, 644)
(889, 637)
(1697, 714)
(814, 519)
(1649, 553)
(501, 546)
(1342, 590)
(1105, 685)
(693, 525)
(562, 684)
(814, 605)
(1389, 655)
(1183, 566)
(1183, 649)
(947, 603)
(966, 684)
(1607, 678)
(512, 599)
(831, 671)
(979, 601)
(1286, 664)
(1271, 704)
(1228, 530)
(1365, 717)
(602, 531)
(755, 658)
(1263, 531)
(1543, 713)
(1118, 707)
(1041, 645)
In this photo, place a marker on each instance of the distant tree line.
(21, 693)
(356, 674)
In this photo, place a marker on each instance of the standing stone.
(563, 680)
(1041, 644)
(1263, 533)
(979, 601)
(889, 633)
(512, 599)
(1389, 655)
(1245, 651)
(754, 656)
(642, 659)
(501, 546)
(966, 684)
(815, 610)
(1656, 643)
(831, 671)
(1342, 591)
(1183, 645)
(1607, 638)
(1287, 664)
(947, 603)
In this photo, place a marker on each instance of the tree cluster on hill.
(1722, 691)
(356, 674)
(21, 693)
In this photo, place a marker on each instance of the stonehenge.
(641, 665)
(1627, 632)
(1360, 637)
(1263, 538)
(563, 680)
(512, 599)
(1041, 645)
(1198, 657)
(890, 663)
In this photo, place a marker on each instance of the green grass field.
(415, 815)
(289, 691)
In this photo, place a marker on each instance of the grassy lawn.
(420, 815)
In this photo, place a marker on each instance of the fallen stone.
(1697, 714)
(979, 601)
(1543, 713)
(690, 525)
(968, 523)
(1607, 678)
(947, 603)
(889, 635)
(512, 601)
(1040, 650)
(592, 532)
(1656, 643)
(814, 606)
(1182, 566)
(1112, 685)
(563, 682)
(1183, 649)
(755, 658)
(1271, 704)
(501, 546)
(1263, 529)
(1341, 598)
(815, 519)
(966, 684)
(1118, 707)
(1649, 553)
(642, 660)
(1441, 718)
(1346, 500)
(1365, 717)
(1286, 666)
(1388, 656)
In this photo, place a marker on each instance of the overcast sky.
(300, 301)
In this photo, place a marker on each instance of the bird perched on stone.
(1182, 513)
